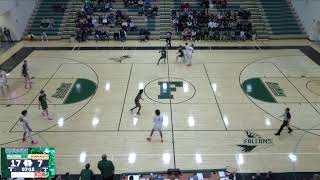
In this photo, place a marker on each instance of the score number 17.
(17, 162)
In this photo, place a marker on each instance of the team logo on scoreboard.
(170, 90)
(254, 141)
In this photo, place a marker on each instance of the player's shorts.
(157, 128)
(180, 55)
(44, 107)
(137, 103)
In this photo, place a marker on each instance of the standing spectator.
(123, 35)
(7, 34)
(87, 174)
(168, 38)
(106, 168)
(1, 35)
(44, 36)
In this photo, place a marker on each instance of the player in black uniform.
(180, 53)
(43, 104)
(137, 101)
(25, 74)
(163, 55)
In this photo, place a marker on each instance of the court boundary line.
(125, 97)
(167, 130)
(171, 112)
(215, 97)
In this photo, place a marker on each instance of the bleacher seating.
(45, 10)
(269, 18)
(281, 18)
(139, 21)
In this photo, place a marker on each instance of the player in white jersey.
(157, 126)
(3, 80)
(26, 128)
(188, 54)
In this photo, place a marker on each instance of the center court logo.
(173, 90)
(166, 87)
(254, 141)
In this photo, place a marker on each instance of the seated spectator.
(210, 25)
(116, 35)
(105, 20)
(211, 34)
(119, 14)
(124, 26)
(144, 35)
(147, 4)
(140, 11)
(193, 35)
(51, 23)
(185, 7)
(125, 3)
(132, 26)
(140, 3)
(45, 23)
(224, 4)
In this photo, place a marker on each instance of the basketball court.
(222, 111)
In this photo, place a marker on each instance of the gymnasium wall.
(309, 13)
(15, 16)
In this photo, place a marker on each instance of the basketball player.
(286, 121)
(43, 104)
(137, 101)
(188, 54)
(25, 74)
(157, 120)
(180, 54)
(26, 128)
(163, 55)
(3, 80)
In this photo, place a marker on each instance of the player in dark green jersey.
(43, 104)
(163, 55)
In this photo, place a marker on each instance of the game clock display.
(27, 162)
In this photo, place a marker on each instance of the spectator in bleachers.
(125, 3)
(124, 26)
(225, 25)
(144, 35)
(185, 7)
(205, 5)
(7, 33)
(123, 35)
(87, 173)
(106, 168)
(51, 23)
(132, 26)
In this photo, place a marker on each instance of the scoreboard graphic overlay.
(27, 162)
